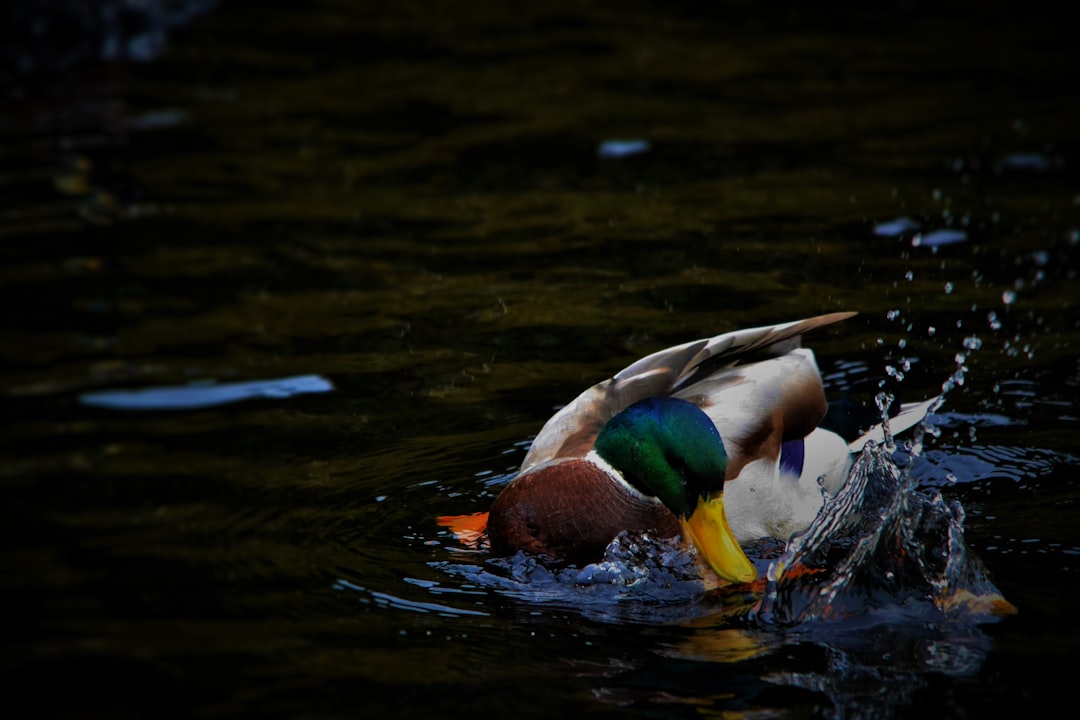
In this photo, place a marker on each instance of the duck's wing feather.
(747, 346)
(761, 405)
(679, 370)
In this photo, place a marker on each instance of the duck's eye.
(678, 464)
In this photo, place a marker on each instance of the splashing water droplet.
(884, 400)
(954, 380)
(1008, 297)
(972, 343)
(879, 537)
(892, 314)
(909, 276)
(948, 288)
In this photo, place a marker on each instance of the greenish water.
(411, 203)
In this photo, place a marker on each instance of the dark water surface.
(413, 204)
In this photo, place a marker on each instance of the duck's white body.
(768, 501)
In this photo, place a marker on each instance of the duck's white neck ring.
(594, 458)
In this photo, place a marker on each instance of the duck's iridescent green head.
(667, 448)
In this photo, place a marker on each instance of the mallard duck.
(720, 440)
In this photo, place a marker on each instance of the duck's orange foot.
(468, 529)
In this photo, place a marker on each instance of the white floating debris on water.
(893, 228)
(1027, 161)
(204, 394)
(165, 118)
(937, 238)
(622, 148)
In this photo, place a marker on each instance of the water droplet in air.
(1008, 297)
(948, 288)
(909, 276)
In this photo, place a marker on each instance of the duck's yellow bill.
(708, 529)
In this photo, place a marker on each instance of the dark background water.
(409, 201)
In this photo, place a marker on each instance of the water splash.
(642, 578)
(880, 544)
